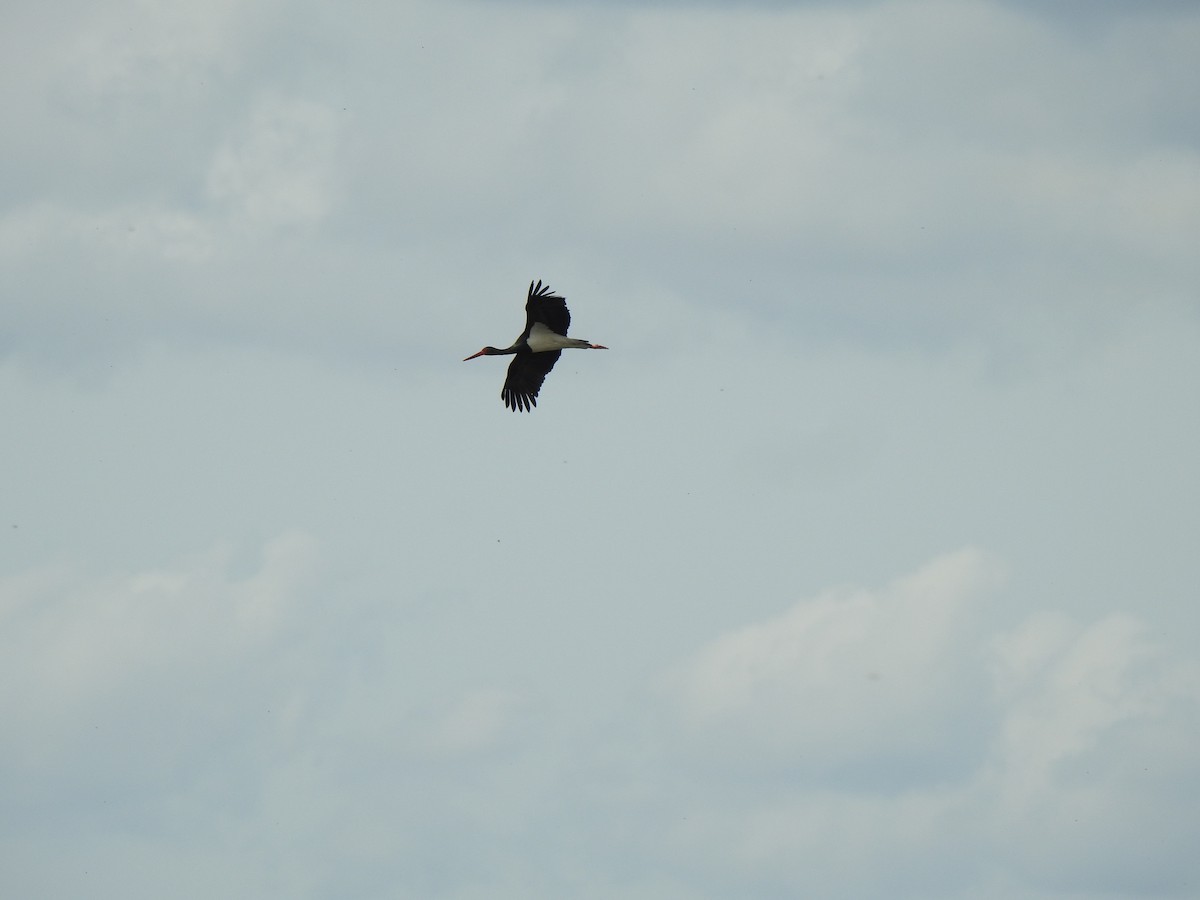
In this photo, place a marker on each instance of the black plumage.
(530, 366)
(526, 373)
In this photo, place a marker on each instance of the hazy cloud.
(292, 606)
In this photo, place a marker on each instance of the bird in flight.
(537, 349)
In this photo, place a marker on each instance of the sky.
(863, 564)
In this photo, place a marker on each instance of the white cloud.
(865, 742)
(879, 165)
(850, 679)
(281, 171)
(278, 170)
(141, 673)
(1063, 687)
(149, 47)
(881, 279)
(129, 233)
(1099, 733)
(1057, 746)
(471, 723)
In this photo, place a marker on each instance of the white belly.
(542, 339)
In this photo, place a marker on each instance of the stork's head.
(486, 351)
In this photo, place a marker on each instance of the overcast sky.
(864, 565)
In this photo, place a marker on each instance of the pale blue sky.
(862, 566)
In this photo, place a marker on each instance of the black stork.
(537, 349)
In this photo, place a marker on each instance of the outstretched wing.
(548, 308)
(526, 373)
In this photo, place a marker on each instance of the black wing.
(548, 308)
(526, 373)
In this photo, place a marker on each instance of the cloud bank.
(861, 742)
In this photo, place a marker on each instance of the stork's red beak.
(473, 355)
